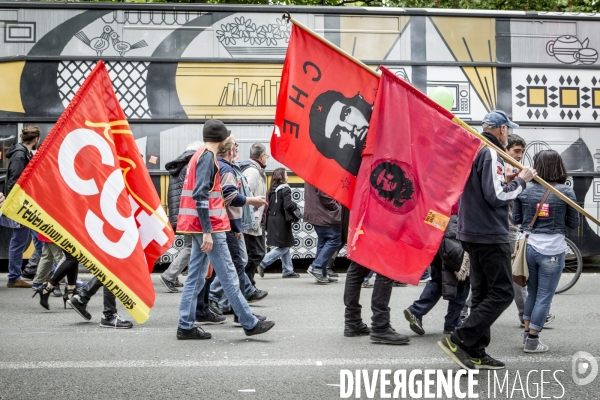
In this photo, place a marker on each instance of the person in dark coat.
(279, 231)
(19, 156)
(177, 169)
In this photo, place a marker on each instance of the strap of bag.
(537, 212)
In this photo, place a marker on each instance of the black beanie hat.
(215, 131)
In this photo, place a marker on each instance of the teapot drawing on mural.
(568, 49)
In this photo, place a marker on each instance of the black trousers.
(68, 268)
(492, 293)
(380, 299)
(202, 310)
(110, 301)
(256, 249)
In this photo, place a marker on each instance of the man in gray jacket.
(254, 238)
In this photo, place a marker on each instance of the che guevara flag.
(323, 111)
(88, 190)
(414, 169)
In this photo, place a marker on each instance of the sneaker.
(261, 327)
(213, 306)
(19, 284)
(415, 323)
(399, 284)
(522, 324)
(258, 295)
(367, 285)
(311, 271)
(388, 336)
(320, 278)
(534, 345)
(237, 324)
(457, 354)
(191, 334)
(260, 270)
(79, 284)
(115, 321)
(487, 362)
(170, 286)
(445, 332)
(331, 273)
(213, 319)
(56, 292)
(331, 279)
(426, 276)
(549, 319)
(79, 307)
(292, 275)
(361, 330)
(177, 283)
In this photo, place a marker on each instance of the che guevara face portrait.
(338, 127)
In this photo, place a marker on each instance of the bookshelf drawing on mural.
(250, 94)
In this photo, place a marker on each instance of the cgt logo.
(584, 368)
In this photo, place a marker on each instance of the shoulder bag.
(520, 271)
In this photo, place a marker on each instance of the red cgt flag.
(322, 116)
(88, 190)
(414, 169)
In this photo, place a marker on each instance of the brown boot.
(19, 284)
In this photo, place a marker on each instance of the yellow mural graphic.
(370, 38)
(10, 86)
(229, 91)
(473, 40)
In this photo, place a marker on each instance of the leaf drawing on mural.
(101, 43)
(274, 36)
(569, 50)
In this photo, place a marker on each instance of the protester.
(449, 279)
(279, 231)
(70, 269)
(366, 284)
(51, 254)
(483, 229)
(177, 169)
(19, 156)
(202, 214)
(546, 244)
(325, 215)
(232, 183)
(254, 236)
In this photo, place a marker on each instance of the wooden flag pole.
(456, 120)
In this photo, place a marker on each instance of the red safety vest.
(188, 220)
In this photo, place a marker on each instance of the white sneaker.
(534, 346)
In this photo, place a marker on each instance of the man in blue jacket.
(483, 230)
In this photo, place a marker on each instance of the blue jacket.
(560, 214)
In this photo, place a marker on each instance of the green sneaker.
(415, 323)
(457, 354)
(487, 362)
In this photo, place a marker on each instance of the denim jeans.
(544, 274)
(329, 240)
(18, 243)
(432, 292)
(286, 259)
(220, 259)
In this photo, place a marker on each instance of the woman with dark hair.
(546, 243)
(279, 231)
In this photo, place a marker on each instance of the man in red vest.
(202, 214)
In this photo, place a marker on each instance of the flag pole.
(456, 120)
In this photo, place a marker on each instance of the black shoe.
(115, 321)
(261, 327)
(213, 319)
(56, 292)
(44, 293)
(399, 284)
(214, 308)
(415, 323)
(236, 322)
(81, 308)
(457, 354)
(192, 334)
(389, 336)
(170, 286)
(258, 295)
(319, 278)
(331, 273)
(361, 330)
(292, 275)
(487, 362)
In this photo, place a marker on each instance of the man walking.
(483, 230)
(202, 214)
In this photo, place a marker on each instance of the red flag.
(88, 190)
(414, 169)
(322, 118)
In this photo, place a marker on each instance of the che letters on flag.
(88, 190)
(322, 119)
(414, 169)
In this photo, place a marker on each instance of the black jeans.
(110, 301)
(68, 268)
(202, 310)
(256, 249)
(380, 299)
(492, 293)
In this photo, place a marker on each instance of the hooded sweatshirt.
(19, 157)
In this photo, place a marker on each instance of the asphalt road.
(56, 354)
